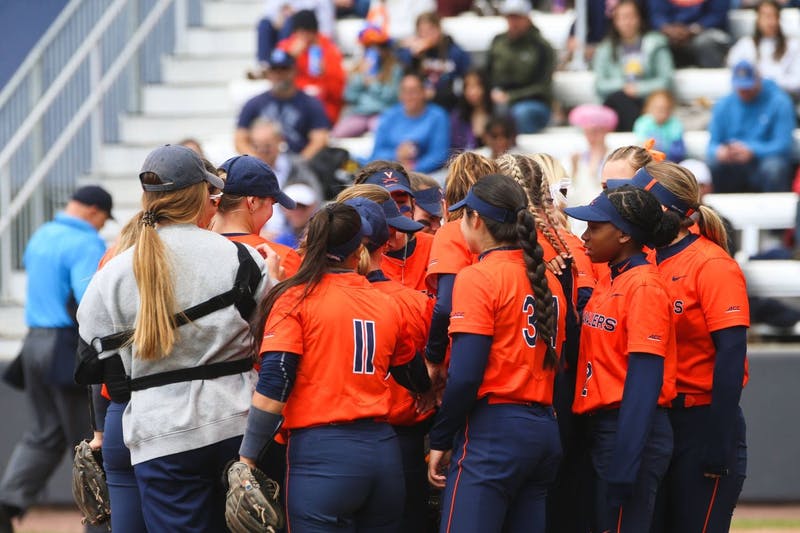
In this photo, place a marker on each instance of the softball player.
(330, 339)
(450, 253)
(411, 421)
(496, 417)
(627, 357)
(711, 312)
(247, 202)
(189, 423)
(407, 261)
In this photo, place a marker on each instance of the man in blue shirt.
(60, 259)
(302, 117)
(751, 135)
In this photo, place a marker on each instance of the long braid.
(510, 165)
(535, 270)
(548, 209)
(532, 176)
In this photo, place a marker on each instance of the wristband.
(261, 429)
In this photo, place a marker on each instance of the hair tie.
(655, 154)
(149, 218)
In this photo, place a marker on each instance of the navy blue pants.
(503, 463)
(694, 502)
(126, 515)
(183, 492)
(415, 473)
(344, 477)
(637, 514)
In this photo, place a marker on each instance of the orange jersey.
(413, 270)
(494, 297)
(347, 334)
(449, 252)
(630, 313)
(290, 260)
(416, 310)
(708, 294)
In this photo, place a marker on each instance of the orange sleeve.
(404, 350)
(291, 262)
(284, 329)
(472, 310)
(723, 294)
(449, 253)
(648, 320)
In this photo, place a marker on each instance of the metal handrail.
(59, 83)
(36, 52)
(83, 113)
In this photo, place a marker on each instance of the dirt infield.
(747, 519)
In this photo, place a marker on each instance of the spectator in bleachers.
(596, 122)
(630, 64)
(776, 55)
(277, 23)
(414, 133)
(472, 112)
(696, 29)
(266, 137)
(193, 145)
(371, 86)
(750, 145)
(435, 56)
(659, 123)
(302, 117)
(499, 137)
(318, 61)
(520, 67)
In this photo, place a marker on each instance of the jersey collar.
(674, 249)
(376, 276)
(408, 250)
(498, 249)
(631, 262)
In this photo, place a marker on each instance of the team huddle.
(497, 373)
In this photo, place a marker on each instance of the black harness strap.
(210, 371)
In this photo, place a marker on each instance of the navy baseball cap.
(602, 210)
(398, 220)
(391, 180)
(485, 209)
(94, 196)
(374, 215)
(250, 176)
(280, 59)
(430, 200)
(340, 252)
(744, 75)
(644, 180)
(177, 167)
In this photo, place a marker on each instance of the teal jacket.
(373, 98)
(609, 76)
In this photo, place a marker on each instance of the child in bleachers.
(472, 112)
(371, 86)
(596, 121)
(658, 122)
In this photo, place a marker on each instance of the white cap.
(301, 194)
(515, 7)
(700, 170)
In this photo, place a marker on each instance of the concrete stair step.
(149, 129)
(220, 41)
(122, 159)
(237, 13)
(175, 100)
(205, 68)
